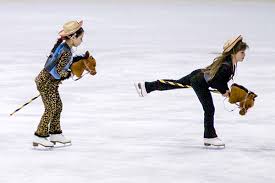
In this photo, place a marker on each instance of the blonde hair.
(213, 68)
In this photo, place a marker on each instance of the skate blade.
(60, 144)
(216, 146)
(35, 144)
(41, 147)
(137, 89)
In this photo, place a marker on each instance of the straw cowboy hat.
(70, 28)
(231, 43)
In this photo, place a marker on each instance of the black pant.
(198, 83)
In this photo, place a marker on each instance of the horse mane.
(241, 87)
(77, 58)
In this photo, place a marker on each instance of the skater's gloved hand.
(226, 94)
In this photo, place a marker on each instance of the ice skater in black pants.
(216, 76)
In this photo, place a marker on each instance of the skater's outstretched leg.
(143, 88)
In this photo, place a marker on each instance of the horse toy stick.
(25, 104)
(242, 97)
(80, 63)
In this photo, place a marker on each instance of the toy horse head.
(81, 63)
(243, 96)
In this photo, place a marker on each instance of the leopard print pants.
(50, 121)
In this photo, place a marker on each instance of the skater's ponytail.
(58, 42)
(212, 69)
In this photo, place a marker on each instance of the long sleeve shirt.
(223, 76)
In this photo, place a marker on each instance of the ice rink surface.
(117, 136)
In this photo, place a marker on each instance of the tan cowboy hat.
(70, 28)
(231, 43)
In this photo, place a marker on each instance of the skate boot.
(141, 90)
(60, 138)
(213, 142)
(43, 141)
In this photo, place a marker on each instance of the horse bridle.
(89, 70)
(244, 101)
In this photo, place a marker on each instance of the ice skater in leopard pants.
(56, 69)
(216, 76)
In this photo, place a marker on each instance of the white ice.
(117, 136)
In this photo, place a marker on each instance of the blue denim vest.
(53, 59)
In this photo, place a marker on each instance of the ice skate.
(213, 142)
(43, 141)
(141, 90)
(60, 138)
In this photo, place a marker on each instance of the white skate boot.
(141, 90)
(43, 141)
(213, 142)
(60, 138)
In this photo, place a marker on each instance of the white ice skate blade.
(61, 145)
(137, 89)
(41, 147)
(211, 146)
(36, 144)
(59, 142)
